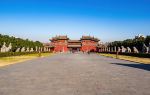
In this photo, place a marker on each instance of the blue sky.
(108, 20)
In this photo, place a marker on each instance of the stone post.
(45, 49)
(108, 49)
(41, 49)
(36, 49)
(112, 49)
(119, 49)
(104, 49)
(115, 49)
(149, 47)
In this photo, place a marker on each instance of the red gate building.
(64, 44)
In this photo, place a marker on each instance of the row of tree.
(137, 42)
(18, 42)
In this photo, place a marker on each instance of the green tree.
(18, 42)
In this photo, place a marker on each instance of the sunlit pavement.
(75, 74)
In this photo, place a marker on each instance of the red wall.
(60, 46)
(88, 45)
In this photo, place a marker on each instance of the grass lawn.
(129, 58)
(15, 59)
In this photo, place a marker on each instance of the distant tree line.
(137, 42)
(18, 42)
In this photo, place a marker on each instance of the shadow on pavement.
(139, 66)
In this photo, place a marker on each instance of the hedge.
(142, 55)
(7, 54)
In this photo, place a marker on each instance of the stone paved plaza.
(75, 74)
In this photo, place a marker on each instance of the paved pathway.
(75, 74)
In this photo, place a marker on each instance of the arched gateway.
(64, 44)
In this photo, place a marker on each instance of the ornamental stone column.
(115, 49)
(112, 49)
(108, 49)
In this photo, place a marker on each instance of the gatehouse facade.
(64, 44)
